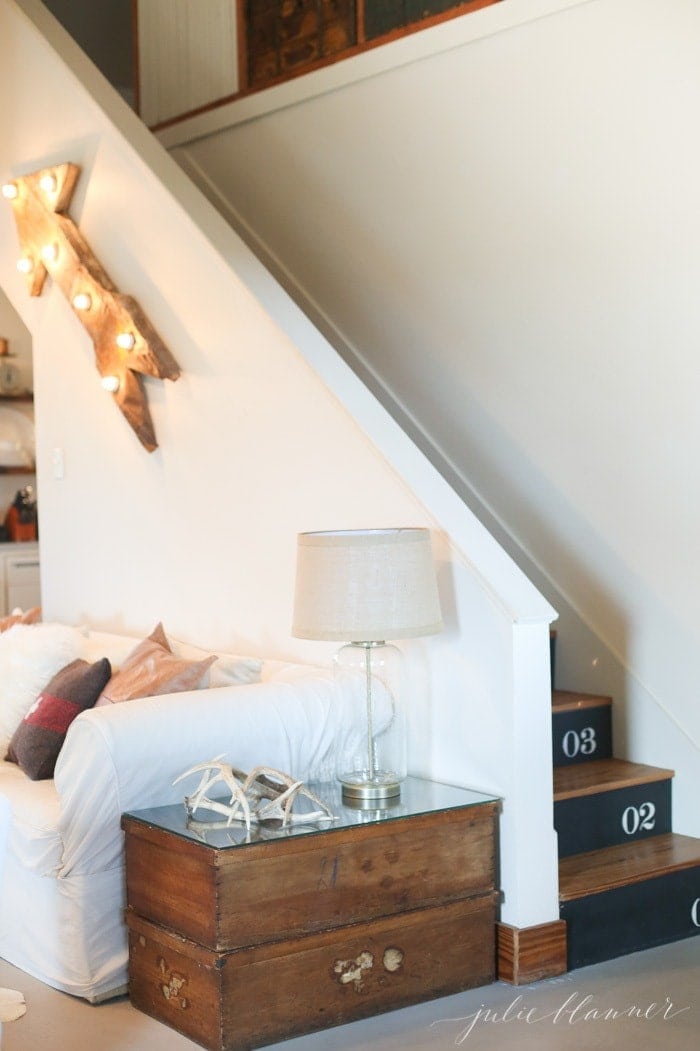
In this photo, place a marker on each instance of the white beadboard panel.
(187, 55)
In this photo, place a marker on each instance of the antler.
(214, 772)
(262, 795)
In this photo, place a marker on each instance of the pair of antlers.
(262, 795)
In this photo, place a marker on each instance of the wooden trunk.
(252, 997)
(227, 899)
(238, 942)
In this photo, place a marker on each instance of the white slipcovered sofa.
(62, 895)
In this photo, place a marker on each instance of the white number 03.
(641, 818)
(583, 742)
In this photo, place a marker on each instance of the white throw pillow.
(229, 669)
(116, 648)
(30, 656)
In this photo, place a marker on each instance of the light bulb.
(82, 301)
(48, 183)
(25, 265)
(126, 340)
(110, 384)
(10, 191)
(49, 253)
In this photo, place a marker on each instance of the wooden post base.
(529, 954)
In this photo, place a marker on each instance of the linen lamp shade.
(366, 585)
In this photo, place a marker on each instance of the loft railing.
(172, 59)
(192, 58)
(283, 38)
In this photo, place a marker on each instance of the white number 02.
(639, 818)
(695, 912)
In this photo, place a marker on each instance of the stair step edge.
(603, 775)
(583, 875)
(571, 701)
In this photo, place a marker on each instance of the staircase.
(626, 881)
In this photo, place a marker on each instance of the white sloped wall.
(266, 434)
(500, 232)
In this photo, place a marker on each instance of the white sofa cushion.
(227, 670)
(116, 648)
(34, 837)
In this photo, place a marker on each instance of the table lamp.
(362, 587)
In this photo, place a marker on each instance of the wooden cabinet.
(284, 39)
(22, 583)
(241, 940)
(19, 576)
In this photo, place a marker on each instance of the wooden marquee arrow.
(127, 347)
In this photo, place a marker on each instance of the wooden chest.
(242, 940)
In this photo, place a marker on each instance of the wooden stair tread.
(601, 870)
(570, 701)
(603, 775)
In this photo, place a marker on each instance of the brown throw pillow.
(39, 737)
(152, 669)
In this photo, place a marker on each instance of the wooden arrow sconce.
(127, 347)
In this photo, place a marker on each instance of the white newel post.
(529, 842)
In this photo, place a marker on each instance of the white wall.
(267, 433)
(502, 235)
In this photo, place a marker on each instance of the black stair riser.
(581, 735)
(628, 919)
(552, 656)
(608, 818)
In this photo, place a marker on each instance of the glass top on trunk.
(206, 826)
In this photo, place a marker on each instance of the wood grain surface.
(247, 895)
(601, 870)
(603, 775)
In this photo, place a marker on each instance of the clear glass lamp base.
(371, 745)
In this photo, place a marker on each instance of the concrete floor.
(655, 993)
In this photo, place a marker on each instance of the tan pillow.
(28, 616)
(152, 669)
